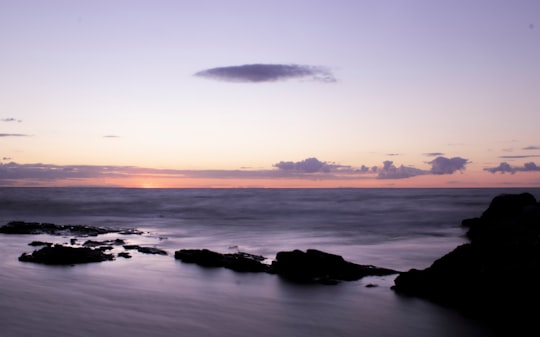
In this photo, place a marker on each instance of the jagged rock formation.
(495, 277)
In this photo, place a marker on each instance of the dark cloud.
(309, 165)
(504, 167)
(433, 154)
(10, 120)
(440, 165)
(532, 148)
(390, 171)
(443, 165)
(13, 135)
(267, 73)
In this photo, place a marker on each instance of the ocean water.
(151, 295)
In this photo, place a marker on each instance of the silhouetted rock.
(145, 250)
(125, 255)
(321, 267)
(312, 266)
(496, 276)
(241, 262)
(20, 227)
(93, 243)
(65, 255)
(40, 243)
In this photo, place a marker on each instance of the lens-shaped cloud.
(13, 135)
(267, 73)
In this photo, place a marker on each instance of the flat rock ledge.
(65, 255)
(311, 266)
(21, 227)
(496, 276)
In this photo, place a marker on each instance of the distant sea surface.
(151, 295)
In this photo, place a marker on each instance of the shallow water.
(159, 296)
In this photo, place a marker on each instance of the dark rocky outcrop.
(145, 250)
(312, 266)
(65, 255)
(240, 262)
(495, 277)
(93, 243)
(21, 227)
(321, 267)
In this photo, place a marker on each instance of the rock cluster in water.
(311, 266)
(496, 276)
(73, 253)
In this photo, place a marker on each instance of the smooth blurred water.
(159, 296)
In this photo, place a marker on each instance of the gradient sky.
(305, 93)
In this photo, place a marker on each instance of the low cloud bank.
(440, 165)
(309, 165)
(311, 168)
(504, 167)
(267, 73)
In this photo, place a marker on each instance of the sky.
(238, 93)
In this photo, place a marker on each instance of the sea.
(158, 296)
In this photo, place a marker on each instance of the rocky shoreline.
(494, 277)
(312, 266)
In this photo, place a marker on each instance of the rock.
(240, 262)
(145, 250)
(308, 267)
(65, 255)
(40, 243)
(495, 277)
(92, 243)
(125, 255)
(321, 267)
(20, 227)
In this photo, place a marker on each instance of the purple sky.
(367, 92)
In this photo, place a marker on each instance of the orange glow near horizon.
(468, 180)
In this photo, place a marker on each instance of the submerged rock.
(40, 243)
(21, 227)
(145, 250)
(494, 277)
(93, 243)
(65, 255)
(241, 262)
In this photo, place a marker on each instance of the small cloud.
(310, 165)
(390, 171)
(392, 154)
(440, 165)
(267, 73)
(13, 135)
(504, 167)
(443, 165)
(111, 136)
(433, 154)
(532, 148)
(6, 158)
(10, 120)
